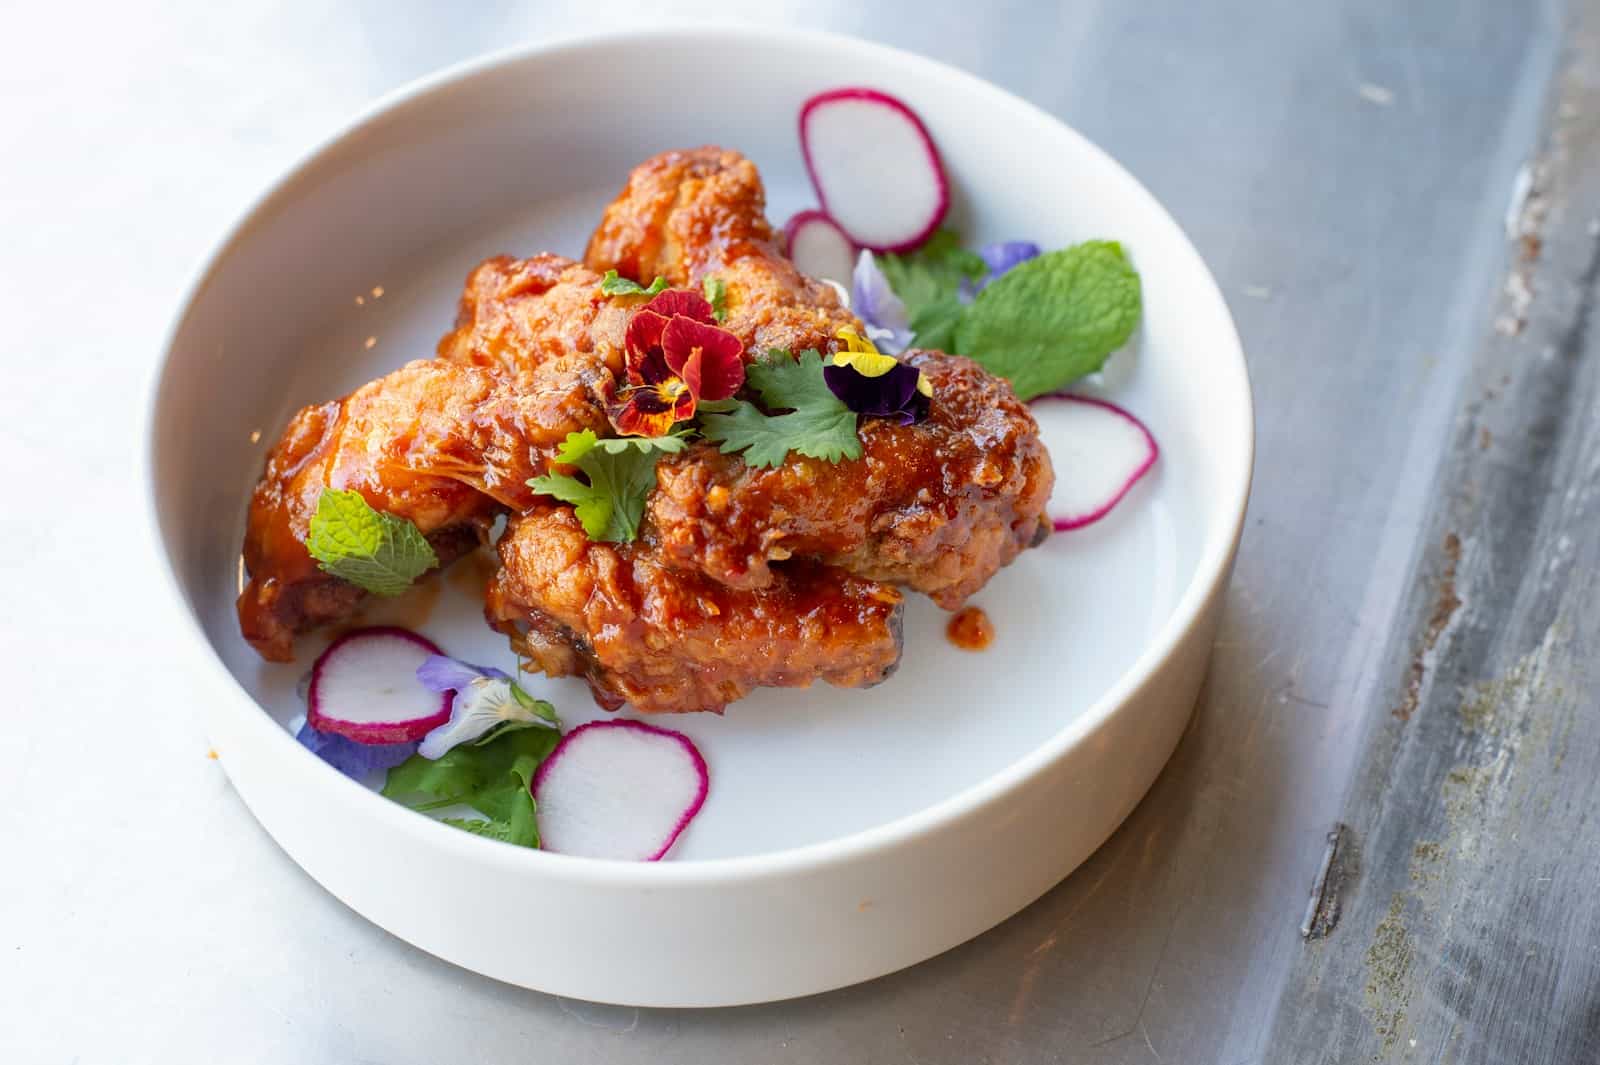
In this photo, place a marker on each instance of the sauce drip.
(970, 629)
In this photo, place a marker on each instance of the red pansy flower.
(676, 356)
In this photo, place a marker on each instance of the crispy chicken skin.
(665, 640)
(447, 447)
(686, 216)
(518, 317)
(939, 506)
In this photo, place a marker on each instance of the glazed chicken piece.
(939, 506)
(665, 640)
(520, 317)
(447, 447)
(686, 216)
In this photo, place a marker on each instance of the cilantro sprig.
(615, 285)
(814, 422)
(375, 551)
(620, 473)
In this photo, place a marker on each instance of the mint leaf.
(494, 779)
(621, 473)
(613, 285)
(717, 295)
(817, 423)
(932, 274)
(1050, 320)
(372, 550)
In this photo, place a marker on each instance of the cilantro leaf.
(1050, 320)
(817, 423)
(495, 779)
(932, 274)
(621, 473)
(614, 285)
(716, 295)
(372, 550)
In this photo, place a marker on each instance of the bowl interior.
(353, 265)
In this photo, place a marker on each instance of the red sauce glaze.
(970, 629)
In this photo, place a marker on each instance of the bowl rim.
(1211, 571)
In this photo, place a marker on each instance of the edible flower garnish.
(999, 257)
(875, 303)
(869, 382)
(676, 356)
(355, 760)
(488, 703)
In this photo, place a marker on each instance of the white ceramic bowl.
(848, 834)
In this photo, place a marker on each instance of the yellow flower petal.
(924, 385)
(855, 342)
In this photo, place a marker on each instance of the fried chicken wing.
(939, 506)
(445, 446)
(665, 640)
(689, 215)
(520, 317)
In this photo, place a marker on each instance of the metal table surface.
(1403, 652)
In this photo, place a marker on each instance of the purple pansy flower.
(441, 673)
(999, 257)
(888, 395)
(487, 703)
(875, 303)
(355, 760)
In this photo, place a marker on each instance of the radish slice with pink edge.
(364, 687)
(619, 789)
(819, 248)
(1100, 452)
(875, 169)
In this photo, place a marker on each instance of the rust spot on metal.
(1445, 605)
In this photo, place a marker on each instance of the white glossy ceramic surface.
(847, 834)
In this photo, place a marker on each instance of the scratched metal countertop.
(1401, 202)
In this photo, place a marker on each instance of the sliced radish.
(818, 248)
(874, 167)
(364, 687)
(1101, 449)
(619, 789)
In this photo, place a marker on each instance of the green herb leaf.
(934, 324)
(494, 779)
(717, 295)
(621, 473)
(932, 275)
(817, 423)
(370, 549)
(499, 830)
(613, 285)
(1050, 320)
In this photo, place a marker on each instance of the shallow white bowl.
(848, 834)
